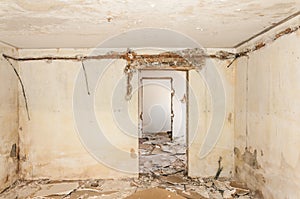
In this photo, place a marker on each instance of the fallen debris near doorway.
(159, 155)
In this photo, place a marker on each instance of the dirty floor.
(162, 176)
(160, 155)
(147, 186)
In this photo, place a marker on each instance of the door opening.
(162, 122)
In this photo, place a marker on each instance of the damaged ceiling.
(86, 23)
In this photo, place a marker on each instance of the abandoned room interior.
(196, 99)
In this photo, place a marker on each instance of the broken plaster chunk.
(156, 151)
(84, 193)
(244, 197)
(134, 184)
(174, 179)
(215, 195)
(63, 188)
(201, 190)
(156, 193)
(220, 185)
(94, 184)
(208, 184)
(186, 193)
(170, 189)
(236, 184)
(242, 192)
(228, 194)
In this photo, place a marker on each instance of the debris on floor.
(162, 175)
(146, 186)
(156, 193)
(160, 155)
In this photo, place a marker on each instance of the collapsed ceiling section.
(78, 23)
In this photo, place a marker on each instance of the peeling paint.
(267, 111)
(247, 169)
(271, 39)
(247, 157)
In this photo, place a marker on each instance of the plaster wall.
(200, 115)
(8, 120)
(51, 143)
(267, 155)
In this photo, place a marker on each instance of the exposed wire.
(86, 78)
(232, 61)
(21, 83)
(220, 168)
(129, 56)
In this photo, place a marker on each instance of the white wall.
(8, 119)
(267, 119)
(207, 140)
(52, 143)
(156, 106)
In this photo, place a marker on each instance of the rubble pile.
(160, 155)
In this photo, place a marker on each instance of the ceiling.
(86, 23)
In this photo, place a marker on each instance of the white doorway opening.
(162, 122)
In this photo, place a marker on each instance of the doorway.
(162, 122)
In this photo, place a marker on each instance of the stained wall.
(54, 146)
(267, 155)
(211, 119)
(8, 120)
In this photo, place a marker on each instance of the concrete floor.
(176, 185)
(162, 175)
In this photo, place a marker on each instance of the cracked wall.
(8, 121)
(208, 165)
(50, 146)
(49, 143)
(267, 155)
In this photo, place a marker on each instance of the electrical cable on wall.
(138, 62)
(86, 79)
(21, 83)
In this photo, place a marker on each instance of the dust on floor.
(160, 155)
(162, 175)
(146, 186)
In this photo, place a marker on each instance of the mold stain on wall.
(266, 132)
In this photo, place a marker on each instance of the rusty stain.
(109, 19)
(260, 45)
(263, 44)
(229, 117)
(268, 29)
(133, 153)
(248, 157)
(248, 170)
(284, 32)
(169, 58)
